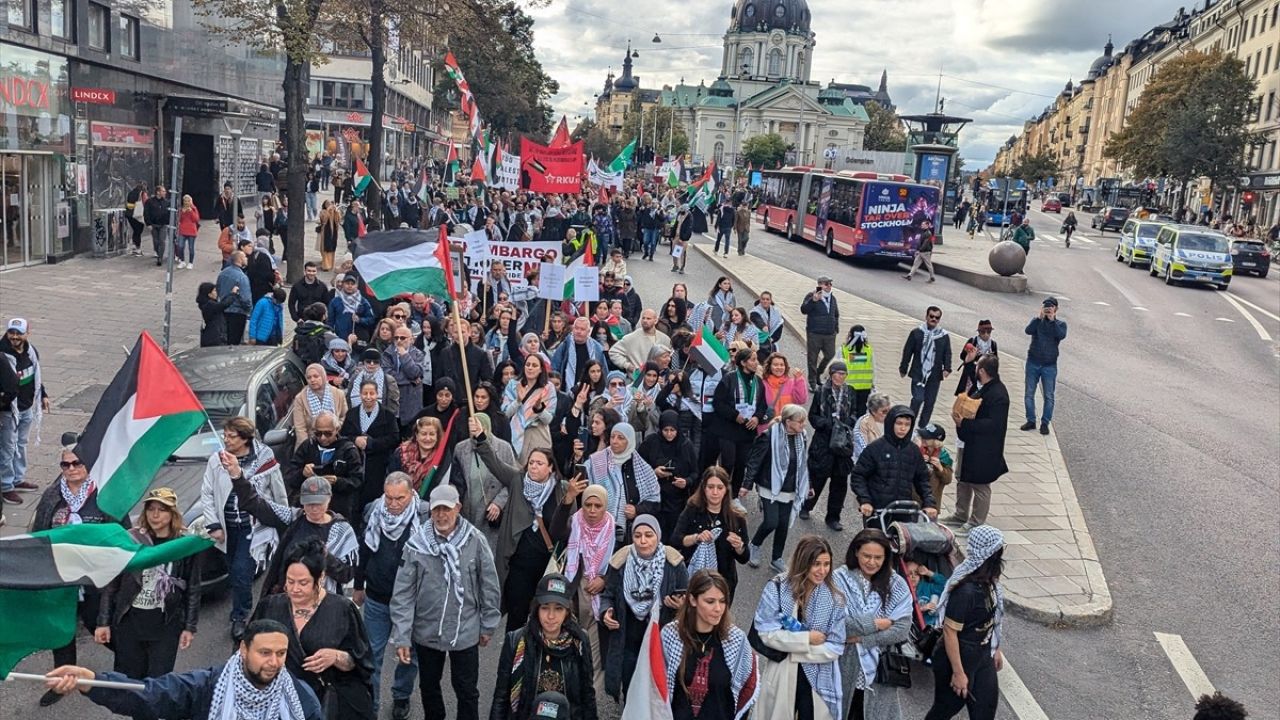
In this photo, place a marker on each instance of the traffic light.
(1248, 197)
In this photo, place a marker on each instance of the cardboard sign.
(477, 245)
(551, 281)
(586, 284)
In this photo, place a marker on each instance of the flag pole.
(82, 682)
(464, 340)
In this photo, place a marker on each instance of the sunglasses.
(617, 383)
(68, 464)
(404, 337)
(398, 316)
(935, 317)
(325, 433)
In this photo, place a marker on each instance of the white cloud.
(1002, 61)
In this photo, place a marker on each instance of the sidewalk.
(1051, 573)
(965, 260)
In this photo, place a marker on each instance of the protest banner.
(509, 173)
(477, 245)
(551, 170)
(518, 256)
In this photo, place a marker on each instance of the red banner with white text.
(552, 170)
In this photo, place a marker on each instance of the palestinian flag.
(648, 697)
(451, 165)
(477, 170)
(623, 160)
(145, 414)
(361, 179)
(424, 190)
(401, 261)
(454, 72)
(702, 192)
(585, 258)
(41, 573)
(706, 350)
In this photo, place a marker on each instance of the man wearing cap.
(446, 605)
(19, 413)
(822, 323)
(370, 369)
(1046, 332)
(389, 522)
(237, 313)
(350, 313)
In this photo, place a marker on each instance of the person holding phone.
(675, 461)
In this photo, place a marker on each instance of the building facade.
(89, 95)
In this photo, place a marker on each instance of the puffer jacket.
(890, 467)
(117, 598)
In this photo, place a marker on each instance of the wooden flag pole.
(546, 319)
(464, 341)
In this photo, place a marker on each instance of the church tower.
(768, 40)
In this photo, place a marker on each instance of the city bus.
(1003, 198)
(852, 214)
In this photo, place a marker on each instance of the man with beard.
(926, 358)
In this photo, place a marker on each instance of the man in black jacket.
(447, 360)
(328, 455)
(309, 291)
(926, 357)
(982, 461)
(262, 274)
(156, 213)
(889, 468)
(389, 523)
(821, 325)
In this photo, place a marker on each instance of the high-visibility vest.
(861, 369)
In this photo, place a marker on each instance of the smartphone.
(580, 469)
(584, 435)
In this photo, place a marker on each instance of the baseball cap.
(824, 280)
(550, 705)
(553, 588)
(837, 366)
(932, 432)
(314, 490)
(1050, 302)
(444, 496)
(163, 495)
(18, 324)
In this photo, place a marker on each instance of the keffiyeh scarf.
(704, 553)
(382, 522)
(821, 613)
(605, 469)
(781, 446)
(536, 494)
(641, 575)
(984, 541)
(378, 377)
(862, 600)
(449, 550)
(367, 418)
(235, 698)
(75, 500)
(350, 301)
(738, 656)
(592, 547)
(928, 349)
(319, 403)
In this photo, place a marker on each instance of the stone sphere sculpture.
(1007, 258)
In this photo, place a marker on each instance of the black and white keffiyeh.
(367, 418)
(236, 698)
(928, 349)
(75, 500)
(449, 550)
(984, 541)
(382, 523)
(642, 580)
(704, 553)
(319, 402)
(823, 612)
(536, 494)
(862, 600)
(738, 656)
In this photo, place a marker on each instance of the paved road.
(1167, 418)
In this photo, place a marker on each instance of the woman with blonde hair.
(188, 227)
(778, 468)
(327, 229)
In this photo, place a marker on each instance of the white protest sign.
(551, 281)
(586, 284)
(477, 245)
(509, 172)
(518, 256)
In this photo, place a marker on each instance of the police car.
(1192, 254)
(1137, 242)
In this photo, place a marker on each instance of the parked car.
(1051, 204)
(1109, 217)
(1137, 242)
(1250, 256)
(257, 382)
(1065, 199)
(1191, 253)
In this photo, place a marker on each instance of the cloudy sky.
(1002, 61)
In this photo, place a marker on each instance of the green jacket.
(1023, 235)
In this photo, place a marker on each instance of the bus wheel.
(787, 233)
(831, 251)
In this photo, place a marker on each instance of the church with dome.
(764, 86)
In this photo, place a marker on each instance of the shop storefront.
(1265, 189)
(36, 216)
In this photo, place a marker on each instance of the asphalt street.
(1168, 418)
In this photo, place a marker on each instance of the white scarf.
(235, 698)
(781, 445)
(928, 351)
(427, 542)
(382, 522)
(984, 540)
(984, 346)
(379, 379)
(640, 574)
(366, 419)
(76, 500)
(350, 301)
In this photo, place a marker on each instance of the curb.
(1096, 612)
(982, 281)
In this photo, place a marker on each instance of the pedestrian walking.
(147, 616)
(233, 289)
(135, 213)
(22, 413)
(1023, 234)
(778, 469)
(1047, 333)
(831, 416)
(974, 349)
(738, 409)
(859, 360)
(891, 468)
(926, 359)
(724, 221)
(188, 227)
(588, 536)
(446, 605)
(711, 534)
(924, 255)
(156, 215)
(822, 322)
(742, 226)
(801, 623)
(971, 610)
(982, 457)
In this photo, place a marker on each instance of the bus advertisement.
(860, 214)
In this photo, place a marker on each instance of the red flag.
(603, 198)
(561, 138)
(446, 260)
(477, 170)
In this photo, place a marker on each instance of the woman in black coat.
(711, 523)
(982, 457)
(212, 311)
(675, 461)
(832, 401)
(740, 386)
(376, 432)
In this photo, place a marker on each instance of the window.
(775, 62)
(718, 153)
(1266, 64)
(1271, 100)
(62, 19)
(747, 59)
(22, 14)
(129, 37)
(99, 27)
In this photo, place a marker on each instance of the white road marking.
(1224, 320)
(1015, 693)
(1264, 311)
(1099, 302)
(1182, 660)
(1120, 288)
(1182, 314)
(1139, 308)
(1257, 326)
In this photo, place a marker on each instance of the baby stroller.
(915, 538)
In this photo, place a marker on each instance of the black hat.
(553, 588)
(371, 355)
(550, 705)
(932, 432)
(1050, 302)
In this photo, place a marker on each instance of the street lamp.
(656, 38)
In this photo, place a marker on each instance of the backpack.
(309, 346)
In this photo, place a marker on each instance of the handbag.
(555, 564)
(893, 668)
(923, 636)
(841, 444)
(757, 643)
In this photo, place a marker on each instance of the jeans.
(923, 398)
(775, 517)
(187, 248)
(377, 623)
(158, 235)
(723, 235)
(312, 208)
(240, 567)
(464, 676)
(14, 429)
(1047, 377)
(742, 242)
(650, 242)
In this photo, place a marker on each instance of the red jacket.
(189, 222)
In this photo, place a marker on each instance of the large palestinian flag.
(146, 413)
(402, 261)
(40, 575)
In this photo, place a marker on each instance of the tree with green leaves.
(595, 141)
(884, 130)
(1190, 122)
(765, 151)
(294, 28)
(1036, 168)
(658, 123)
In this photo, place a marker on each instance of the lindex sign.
(99, 96)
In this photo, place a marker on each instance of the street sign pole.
(175, 201)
